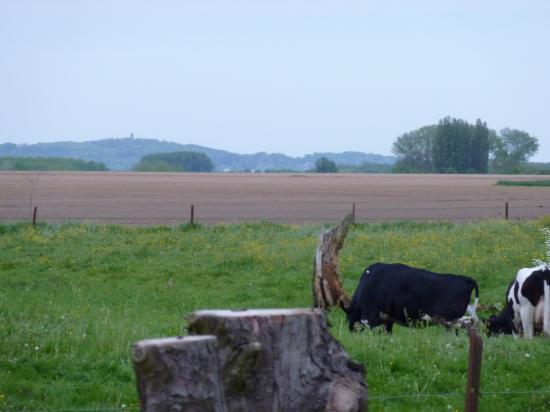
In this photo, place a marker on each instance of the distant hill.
(123, 154)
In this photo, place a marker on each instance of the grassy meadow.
(73, 298)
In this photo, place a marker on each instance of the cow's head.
(500, 325)
(353, 314)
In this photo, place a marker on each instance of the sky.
(284, 76)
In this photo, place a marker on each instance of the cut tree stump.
(178, 374)
(282, 360)
(328, 290)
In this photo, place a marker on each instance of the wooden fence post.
(506, 211)
(353, 213)
(474, 371)
(34, 215)
(192, 221)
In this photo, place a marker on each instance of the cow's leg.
(389, 327)
(517, 322)
(546, 309)
(451, 327)
(538, 317)
(527, 313)
(373, 320)
(353, 318)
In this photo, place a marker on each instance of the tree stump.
(281, 360)
(178, 374)
(328, 290)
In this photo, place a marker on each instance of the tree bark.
(282, 360)
(328, 290)
(178, 374)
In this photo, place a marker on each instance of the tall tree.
(460, 147)
(510, 149)
(443, 150)
(479, 148)
(415, 150)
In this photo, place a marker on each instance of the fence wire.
(370, 398)
(143, 214)
(458, 394)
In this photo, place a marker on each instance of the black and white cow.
(397, 293)
(527, 304)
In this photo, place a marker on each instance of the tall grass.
(73, 298)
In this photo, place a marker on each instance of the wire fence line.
(289, 210)
(370, 398)
(208, 214)
(458, 394)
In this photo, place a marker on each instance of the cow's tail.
(476, 300)
(546, 316)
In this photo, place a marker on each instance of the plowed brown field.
(166, 198)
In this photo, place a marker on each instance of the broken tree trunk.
(178, 374)
(282, 360)
(327, 282)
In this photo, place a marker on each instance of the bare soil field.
(166, 198)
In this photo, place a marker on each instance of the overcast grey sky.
(289, 76)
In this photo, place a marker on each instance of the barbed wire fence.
(300, 214)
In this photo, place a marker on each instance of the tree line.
(49, 163)
(455, 146)
(175, 162)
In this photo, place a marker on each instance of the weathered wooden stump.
(281, 360)
(328, 290)
(178, 374)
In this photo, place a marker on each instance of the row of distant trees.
(200, 162)
(169, 162)
(455, 146)
(49, 163)
(175, 162)
(159, 162)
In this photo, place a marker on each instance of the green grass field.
(523, 182)
(73, 298)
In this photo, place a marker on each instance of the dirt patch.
(166, 198)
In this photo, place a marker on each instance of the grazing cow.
(527, 304)
(397, 293)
